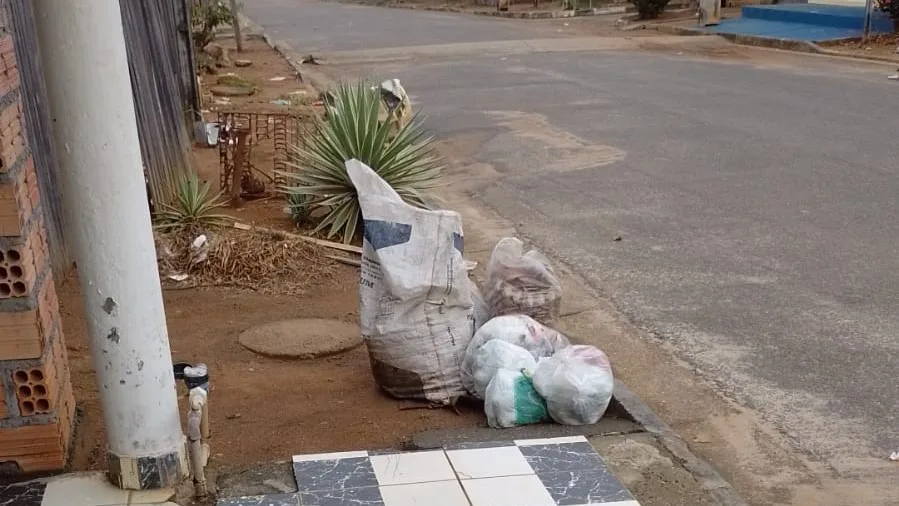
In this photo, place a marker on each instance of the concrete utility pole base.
(143, 473)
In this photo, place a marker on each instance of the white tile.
(151, 496)
(83, 490)
(508, 491)
(435, 493)
(489, 462)
(411, 467)
(551, 441)
(329, 456)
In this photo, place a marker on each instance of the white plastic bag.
(539, 340)
(522, 283)
(415, 299)
(577, 384)
(523, 331)
(511, 401)
(493, 356)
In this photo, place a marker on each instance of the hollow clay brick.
(20, 335)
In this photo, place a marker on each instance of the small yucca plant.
(403, 156)
(298, 207)
(194, 205)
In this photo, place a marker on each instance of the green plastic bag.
(511, 400)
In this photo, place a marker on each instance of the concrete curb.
(867, 57)
(722, 491)
(752, 40)
(318, 80)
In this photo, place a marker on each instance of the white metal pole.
(866, 29)
(95, 130)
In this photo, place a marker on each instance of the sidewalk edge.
(710, 479)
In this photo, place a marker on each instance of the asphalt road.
(758, 204)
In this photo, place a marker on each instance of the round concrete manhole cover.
(302, 339)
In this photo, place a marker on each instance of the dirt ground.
(267, 65)
(261, 409)
(878, 45)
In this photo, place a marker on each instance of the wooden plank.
(345, 260)
(321, 242)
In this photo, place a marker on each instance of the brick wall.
(36, 401)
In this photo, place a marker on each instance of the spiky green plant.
(194, 205)
(298, 207)
(403, 156)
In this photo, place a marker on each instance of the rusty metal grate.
(270, 137)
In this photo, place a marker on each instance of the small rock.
(617, 238)
(242, 63)
(219, 55)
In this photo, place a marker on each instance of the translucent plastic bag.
(523, 331)
(494, 356)
(522, 283)
(511, 401)
(577, 384)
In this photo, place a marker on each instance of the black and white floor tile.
(79, 489)
(536, 472)
(22, 494)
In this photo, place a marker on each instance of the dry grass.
(267, 262)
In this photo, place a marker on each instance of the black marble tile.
(562, 457)
(317, 475)
(477, 445)
(365, 496)
(158, 471)
(22, 494)
(261, 500)
(590, 486)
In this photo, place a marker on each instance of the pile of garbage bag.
(432, 336)
(529, 373)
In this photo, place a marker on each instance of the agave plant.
(194, 205)
(402, 155)
(298, 207)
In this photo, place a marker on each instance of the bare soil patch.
(263, 409)
(882, 45)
